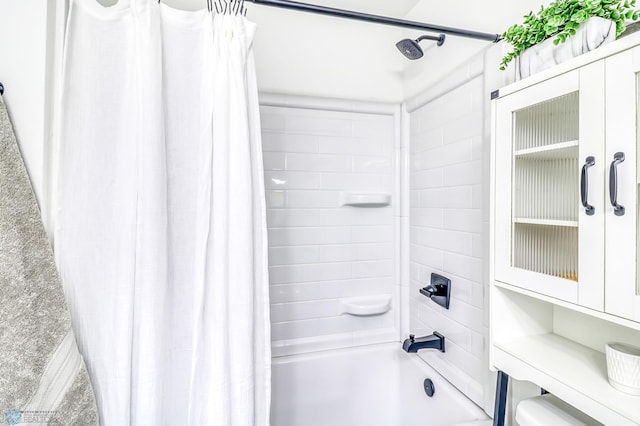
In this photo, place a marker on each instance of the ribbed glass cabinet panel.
(545, 191)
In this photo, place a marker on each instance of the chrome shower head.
(412, 50)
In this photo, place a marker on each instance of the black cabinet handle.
(618, 158)
(584, 186)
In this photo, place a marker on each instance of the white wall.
(449, 162)
(302, 53)
(319, 250)
(446, 185)
(27, 37)
(305, 54)
(490, 16)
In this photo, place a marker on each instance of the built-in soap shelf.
(365, 305)
(364, 199)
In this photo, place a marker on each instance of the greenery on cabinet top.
(561, 19)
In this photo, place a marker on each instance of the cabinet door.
(622, 289)
(545, 136)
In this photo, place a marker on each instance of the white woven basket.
(623, 367)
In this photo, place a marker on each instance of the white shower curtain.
(160, 229)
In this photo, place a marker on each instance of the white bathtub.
(377, 385)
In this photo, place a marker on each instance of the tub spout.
(433, 341)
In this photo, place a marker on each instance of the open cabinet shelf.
(548, 342)
(565, 362)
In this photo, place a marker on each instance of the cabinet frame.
(588, 290)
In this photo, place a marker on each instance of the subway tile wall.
(320, 251)
(446, 229)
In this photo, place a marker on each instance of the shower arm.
(427, 37)
(377, 19)
(439, 39)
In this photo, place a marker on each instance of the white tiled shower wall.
(320, 251)
(447, 235)
(438, 158)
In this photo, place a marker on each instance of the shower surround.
(434, 150)
(316, 151)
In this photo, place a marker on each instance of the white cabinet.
(622, 288)
(545, 241)
(565, 227)
(565, 157)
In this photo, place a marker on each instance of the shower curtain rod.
(377, 19)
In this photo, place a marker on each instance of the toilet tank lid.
(547, 410)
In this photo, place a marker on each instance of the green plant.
(561, 19)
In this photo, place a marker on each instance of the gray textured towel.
(43, 379)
